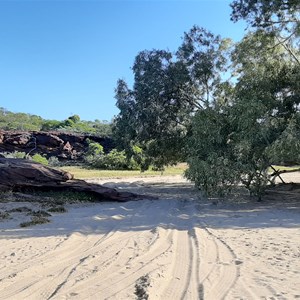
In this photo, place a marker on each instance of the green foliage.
(156, 113)
(150, 111)
(73, 124)
(204, 56)
(49, 125)
(276, 17)
(15, 154)
(114, 160)
(36, 157)
(237, 143)
(67, 123)
(94, 148)
(211, 163)
(40, 159)
(54, 162)
(286, 148)
(267, 13)
(75, 118)
(19, 121)
(27, 122)
(138, 158)
(229, 131)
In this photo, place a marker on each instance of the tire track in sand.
(219, 269)
(117, 279)
(67, 257)
(42, 286)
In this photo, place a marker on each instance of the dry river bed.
(179, 246)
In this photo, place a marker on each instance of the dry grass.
(84, 173)
(283, 168)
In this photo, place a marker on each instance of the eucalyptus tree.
(205, 57)
(278, 17)
(151, 114)
(168, 90)
(239, 142)
(268, 14)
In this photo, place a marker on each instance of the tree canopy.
(230, 111)
(28, 122)
(168, 89)
(267, 14)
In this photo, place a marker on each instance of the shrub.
(114, 160)
(94, 148)
(53, 161)
(40, 159)
(15, 154)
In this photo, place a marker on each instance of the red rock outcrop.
(19, 175)
(64, 146)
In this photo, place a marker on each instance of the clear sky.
(59, 58)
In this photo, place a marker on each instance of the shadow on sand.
(179, 206)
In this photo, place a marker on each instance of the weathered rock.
(65, 146)
(20, 175)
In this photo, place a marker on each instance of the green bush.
(53, 161)
(15, 154)
(94, 148)
(40, 159)
(114, 160)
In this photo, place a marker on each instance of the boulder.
(21, 175)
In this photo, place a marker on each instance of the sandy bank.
(177, 247)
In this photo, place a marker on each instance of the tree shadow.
(179, 206)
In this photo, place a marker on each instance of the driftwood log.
(19, 175)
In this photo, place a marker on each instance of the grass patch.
(61, 197)
(35, 221)
(85, 173)
(284, 168)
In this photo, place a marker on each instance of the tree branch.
(276, 173)
(283, 171)
(283, 43)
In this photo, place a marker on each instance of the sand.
(180, 246)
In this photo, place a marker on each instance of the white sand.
(185, 247)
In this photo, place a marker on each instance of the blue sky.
(59, 58)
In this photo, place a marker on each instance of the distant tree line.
(28, 122)
(231, 111)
